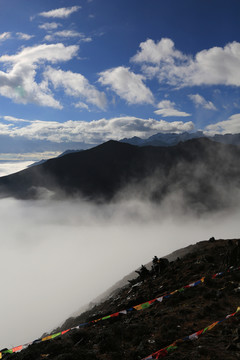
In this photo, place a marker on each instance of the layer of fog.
(58, 256)
(11, 167)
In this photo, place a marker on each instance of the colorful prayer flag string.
(138, 307)
(165, 351)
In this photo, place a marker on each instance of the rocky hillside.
(148, 314)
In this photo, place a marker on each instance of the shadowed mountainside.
(141, 332)
(204, 173)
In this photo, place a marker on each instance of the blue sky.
(82, 72)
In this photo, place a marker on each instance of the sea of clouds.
(57, 256)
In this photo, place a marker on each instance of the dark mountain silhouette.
(171, 139)
(204, 173)
(66, 152)
(139, 333)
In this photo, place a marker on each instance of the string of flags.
(174, 346)
(138, 307)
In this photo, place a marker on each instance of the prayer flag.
(114, 315)
(49, 337)
(17, 348)
(65, 331)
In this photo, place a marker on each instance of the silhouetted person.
(159, 265)
(143, 272)
(212, 239)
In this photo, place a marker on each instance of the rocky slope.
(139, 333)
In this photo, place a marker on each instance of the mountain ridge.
(203, 172)
(171, 139)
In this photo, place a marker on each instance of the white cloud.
(13, 167)
(31, 157)
(231, 125)
(82, 105)
(167, 108)
(94, 131)
(19, 84)
(4, 36)
(154, 53)
(61, 12)
(67, 34)
(14, 119)
(215, 66)
(49, 26)
(127, 85)
(200, 101)
(53, 53)
(23, 36)
(76, 85)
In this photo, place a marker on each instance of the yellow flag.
(47, 338)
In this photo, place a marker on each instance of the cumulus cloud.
(214, 66)
(67, 34)
(128, 85)
(4, 36)
(18, 82)
(167, 108)
(76, 85)
(231, 125)
(200, 101)
(155, 53)
(92, 132)
(49, 26)
(61, 12)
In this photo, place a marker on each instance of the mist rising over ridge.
(201, 173)
(139, 202)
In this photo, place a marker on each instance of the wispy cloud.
(61, 12)
(14, 119)
(49, 26)
(167, 108)
(199, 100)
(4, 36)
(23, 36)
(128, 85)
(67, 34)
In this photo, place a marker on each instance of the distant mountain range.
(164, 139)
(204, 174)
(171, 139)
